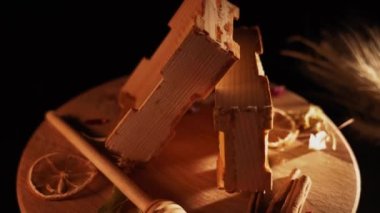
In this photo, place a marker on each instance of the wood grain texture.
(184, 172)
(192, 58)
(243, 116)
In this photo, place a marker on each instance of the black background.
(53, 51)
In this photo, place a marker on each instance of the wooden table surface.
(184, 170)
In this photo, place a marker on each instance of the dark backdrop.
(54, 51)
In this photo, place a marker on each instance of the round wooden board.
(184, 170)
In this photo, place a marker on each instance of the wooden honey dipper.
(114, 174)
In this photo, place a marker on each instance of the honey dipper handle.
(114, 174)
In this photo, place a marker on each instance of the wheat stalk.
(347, 64)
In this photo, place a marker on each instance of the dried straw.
(347, 65)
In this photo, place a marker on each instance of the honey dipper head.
(164, 206)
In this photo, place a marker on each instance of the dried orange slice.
(57, 176)
(284, 129)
